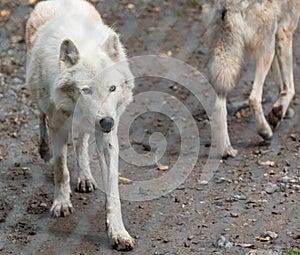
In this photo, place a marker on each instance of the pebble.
(17, 39)
(266, 163)
(263, 252)
(234, 215)
(293, 137)
(271, 234)
(221, 180)
(190, 237)
(43, 205)
(286, 179)
(271, 188)
(204, 182)
(187, 244)
(222, 242)
(174, 87)
(240, 197)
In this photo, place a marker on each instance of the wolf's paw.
(266, 133)
(122, 241)
(275, 116)
(118, 235)
(86, 185)
(224, 151)
(229, 152)
(61, 208)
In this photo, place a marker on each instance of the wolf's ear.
(113, 48)
(69, 55)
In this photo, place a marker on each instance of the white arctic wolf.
(264, 30)
(76, 60)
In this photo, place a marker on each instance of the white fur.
(73, 61)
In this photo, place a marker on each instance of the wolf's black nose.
(106, 124)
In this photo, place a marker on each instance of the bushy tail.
(227, 52)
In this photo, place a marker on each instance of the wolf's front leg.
(62, 205)
(220, 129)
(108, 149)
(85, 180)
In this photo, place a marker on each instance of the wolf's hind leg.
(44, 148)
(85, 180)
(263, 64)
(284, 55)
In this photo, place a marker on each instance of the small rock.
(263, 252)
(285, 179)
(240, 197)
(4, 13)
(222, 242)
(151, 29)
(203, 182)
(123, 180)
(163, 167)
(17, 39)
(174, 87)
(43, 205)
(130, 6)
(271, 234)
(271, 188)
(187, 244)
(267, 236)
(266, 163)
(295, 187)
(293, 137)
(190, 237)
(221, 180)
(234, 215)
(32, 1)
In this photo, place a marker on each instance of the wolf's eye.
(112, 88)
(87, 91)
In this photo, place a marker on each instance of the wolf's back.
(47, 10)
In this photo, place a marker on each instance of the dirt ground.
(251, 203)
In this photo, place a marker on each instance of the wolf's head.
(95, 85)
